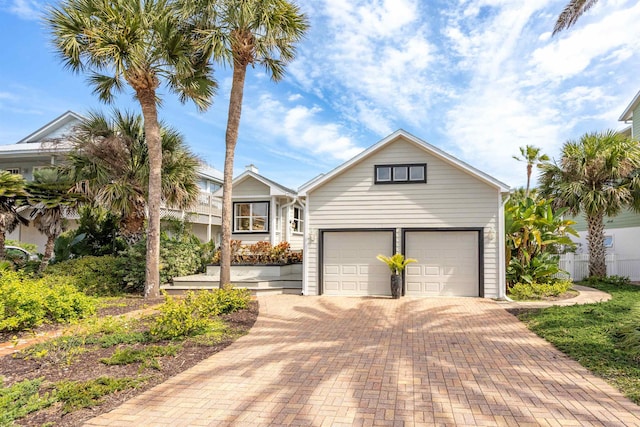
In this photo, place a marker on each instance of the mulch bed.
(87, 365)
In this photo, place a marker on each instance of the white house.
(49, 145)
(404, 195)
(264, 210)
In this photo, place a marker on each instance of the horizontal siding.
(450, 198)
(250, 187)
(635, 130)
(625, 219)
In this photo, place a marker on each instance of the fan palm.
(240, 33)
(12, 191)
(531, 155)
(50, 198)
(597, 176)
(110, 163)
(571, 13)
(139, 43)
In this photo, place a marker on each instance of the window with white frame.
(401, 174)
(297, 223)
(251, 217)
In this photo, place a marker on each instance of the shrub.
(179, 256)
(193, 315)
(21, 399)
(75, 394)
(525, 291)
(100, 276)
(28, 302)
(260, 253)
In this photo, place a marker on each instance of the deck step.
(291, 284)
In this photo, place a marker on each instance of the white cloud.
(26, 9)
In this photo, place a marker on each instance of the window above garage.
(413, 173)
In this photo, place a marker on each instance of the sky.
(476, 78)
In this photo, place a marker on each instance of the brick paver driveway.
(319, 361)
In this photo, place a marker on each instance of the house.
(264, 210)
(404, 195)
(49, 145)
(631, 115)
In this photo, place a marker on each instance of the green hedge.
(100, 276)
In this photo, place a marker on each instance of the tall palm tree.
(12, 191)
(571, 13)
(50, 197)
(139, 43)
(531, 155)
(110, 164)
(240, 33)
(597, 176)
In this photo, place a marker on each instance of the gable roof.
(275, 189)
(628, 112)
(56, 124)
(319, 181)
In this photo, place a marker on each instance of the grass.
(599, 336)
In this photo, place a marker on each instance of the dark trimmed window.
(401, 174)
(251, 217)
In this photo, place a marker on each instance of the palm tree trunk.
(231, 138)
(48, 252)
(2, 236)
(529, 167)
(595, 237)
(152, 135)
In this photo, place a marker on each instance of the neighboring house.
(631, 115)
(48, 146)
(264, 210)
(621, 234)
(404, 195)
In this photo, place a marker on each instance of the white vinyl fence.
(577, 265)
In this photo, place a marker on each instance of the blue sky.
(476, 78)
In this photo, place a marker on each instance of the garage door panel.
(354, 254)
(447, 263)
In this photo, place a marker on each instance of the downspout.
(305, 247)
(502, 268)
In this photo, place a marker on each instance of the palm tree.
(571, 12)
(531, 155)
(110, 164)
(597, 176)
(140, 43)
(240, 33)
(50, 198)
(12, 191)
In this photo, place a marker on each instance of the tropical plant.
(571, 13)
(531, 156)
(240, 33)
(12, 191)
(140, 43)
(50, 199)
(396, 263)
(534, 233)
(110, 163)
(597, 175)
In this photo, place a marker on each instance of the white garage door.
(350, 266)
(447, 263)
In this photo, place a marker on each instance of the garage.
(448, 263)
(349, 265)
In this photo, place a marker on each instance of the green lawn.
(603, 337)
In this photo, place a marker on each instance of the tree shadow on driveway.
(362, 361)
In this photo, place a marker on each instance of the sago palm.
(596, 176)
(242, 33)
(531, 156)
(571, 13)
(50, 199)
(139, 43)
(12, 192)
(110, 163)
